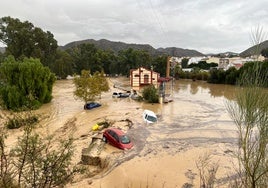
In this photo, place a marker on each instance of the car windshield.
(151, 118)
(125, 139)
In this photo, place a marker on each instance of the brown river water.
(165, 153)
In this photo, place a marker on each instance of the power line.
(164, 31)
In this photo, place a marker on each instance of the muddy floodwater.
(165, 154)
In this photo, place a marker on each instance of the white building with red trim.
(141, 77)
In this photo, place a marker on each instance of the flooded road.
(196, 122)
(164, 153)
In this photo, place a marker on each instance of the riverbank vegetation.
(24, 84)
(36, 161)
(250, 114)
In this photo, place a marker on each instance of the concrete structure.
(142, 77)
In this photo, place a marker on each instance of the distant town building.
(195, 60)
(213, 60)
(223, 63)
(237, 62)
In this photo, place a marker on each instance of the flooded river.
(165, 153)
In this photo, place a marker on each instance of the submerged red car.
(117, 138)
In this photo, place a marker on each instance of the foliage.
(35, 161)
(88, 87)
(7, 174)
(203, 65)
(261, 74)
(217, 76)
(196, 74)
(207, 170)
(160, 64)
(232, 75)
(184, 63)
(109, 62)
(2, 57)
(132, 59)
(250, 114)
(24, 40)
(150, 94)
(85, 57)
(38, 164)
(63, 65)
(20, 119)
(25, 84)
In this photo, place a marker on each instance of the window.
(146, 78)
(125, 139)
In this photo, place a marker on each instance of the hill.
(250, 51)
(224, 54)
(117, 46)
(180, 52)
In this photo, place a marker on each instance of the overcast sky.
(209, 26)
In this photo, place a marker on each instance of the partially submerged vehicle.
(117, 138)
(149, 116)
(120, 95)
(91, 105)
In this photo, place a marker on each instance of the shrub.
(150, 94)
(18, 121)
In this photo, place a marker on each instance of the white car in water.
(149, 116)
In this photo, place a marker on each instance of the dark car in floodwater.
(117, 138)
(120, 95)
(91, 105)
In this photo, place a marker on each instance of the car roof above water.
(117, 131)
(149, 112)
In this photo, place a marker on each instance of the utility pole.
(168, 67)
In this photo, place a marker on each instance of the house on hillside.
(141, 77)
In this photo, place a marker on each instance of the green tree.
(1, 57)
(231, 76)
(102, 83)
(217, 76)
(203, 65)
(250, 67)
(132, 59)
(85, 57)
(64, 65)
(150, 94)
(25, 84)
(184, 63)
(88, 87)
(24, 40)
(109, 62)
(160, 64)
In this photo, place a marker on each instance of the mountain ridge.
(251, 51)
(105, 44)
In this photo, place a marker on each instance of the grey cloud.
(207, 25)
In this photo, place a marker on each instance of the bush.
(24, 84)
(18, 121)
(150, 94)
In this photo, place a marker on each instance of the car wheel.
(104, 139)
